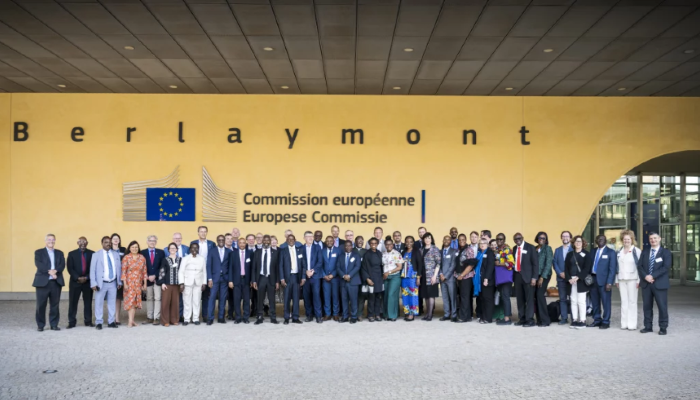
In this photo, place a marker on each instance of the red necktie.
(82, 255)
(517, 265)
(152, 257)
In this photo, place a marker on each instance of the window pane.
(671, 209)
(692, 183)
(632, 187)
(650, 179)
(588, 231)
(676, 266)
(650, 187)
(671, 237)
(693, 237)
(670, 185)
(693, 271)
(650, 219)
(613, 236)
(617, 192)
(692, 207)
(613, 215)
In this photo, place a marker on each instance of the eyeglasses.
(542, 238)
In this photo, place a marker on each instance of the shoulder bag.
(588, 280)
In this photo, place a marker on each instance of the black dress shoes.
(593, 325)
(210, 322)
(258, 321)
(71, 326)
(445, 319)
(40, 329)
(112, 325)
(296, 321)
(529, 324)
(343, 320)
(454, 319)
(246, 321)
(236, 322)
(98, 327)
(309, 319)
(662, 331)
(274, 321)
(604, 326)
(90, 324)
(184, 323)
(182, 319)
(504, 322)
(520, 323)
(286, 321)
(197, 322)
(319, 320)
(55, 328)
(222, 321)
(353, 321)
(646, 330)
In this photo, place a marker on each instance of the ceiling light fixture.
(61, 85)
(622, 89)
(548, 50)
(408, 49)
(128, 47)
(689, 51)
(284, 87)
(172, 87)
(268, 48)
(509, 89)
(397, 88)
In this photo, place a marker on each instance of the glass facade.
(670, 205)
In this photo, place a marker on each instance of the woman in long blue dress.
(410, 280)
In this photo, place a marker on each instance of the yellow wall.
(579, 146)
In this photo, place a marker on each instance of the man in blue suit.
(313, 261)
(559, 257)
(604, 271)
(182, 251)
(331, 282)
(205, 246)
(653, 268)
(349, 272)
(105, 278)
(153, 258)
(239, 276)
(217, 279)
(291, 277)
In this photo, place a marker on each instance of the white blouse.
(626, 267)
(390, 261)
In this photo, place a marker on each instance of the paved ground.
(342, 361)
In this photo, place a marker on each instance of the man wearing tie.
(292, 276)
(79, 271)
(654, 265)
(525, 275)
(447, 279)
(454, 238)
(559, 267)
(235, 234)
(239, 281)
(349, 272)
(331, 282)
(48, 282)
(266, 269)
(313, 261)
(153, 258)
(217, 274)
(105, 278)
(398, 245)
(604, 271)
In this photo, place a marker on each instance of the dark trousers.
(541, 303)
(182, 305)
(206, 293)
(229, 299)
(362, 298)
(266, 287)
(170, 303)
(504, 288)
(525, 297)
(291, 294)
(219, 291)
(75, 289)
(487, 304)
(241, 293)
(349, 294)
(51, 293)
(254, 299)
(312, 298)
(600, 295)
(465, 299)
(331, 297)
(561, 287)
(649, 294)
(374, 305)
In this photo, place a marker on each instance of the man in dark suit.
(362, 296)
(265, 272)
(604, 271)
(78, 264)
(331, 282)
(239, 276)
(349, 272)
(313, 261)
(653, 267)
(292, 277)
(154, 257)
(525, 274)
(398, 244)
(559, 267)
(205, 246)
(48, 282)
(218, 265)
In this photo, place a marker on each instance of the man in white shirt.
(378, 234)
(105, 278)
(292, 277)
(266, 272)
(48, 282)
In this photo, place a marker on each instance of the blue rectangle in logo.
(169, 204)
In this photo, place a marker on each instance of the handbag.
(503, 275)
(588, 280)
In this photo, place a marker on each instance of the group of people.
(336, 277)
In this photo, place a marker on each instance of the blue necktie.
(347, 256)
(111, 269)
(651, 261)
(444, 253)
(597, 257)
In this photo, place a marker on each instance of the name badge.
(659, 259)
(524, 251)
(300, 256)
(247, 260)
(605, 256)
(582, 254)
(333, 255)
(352, 259)
(447, 256)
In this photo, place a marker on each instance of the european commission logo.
(170, 204)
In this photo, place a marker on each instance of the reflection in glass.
(671, 209)
(613, 215)
(632, 187)
(693, 265)
(650, 219)
(693, 237)
(617, 192)
(692, 207)
(650, 191)
(670, 185)
(676, 266)
(671, 237)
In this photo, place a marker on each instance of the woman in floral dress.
(134, 277)
(504, 260)
(392, 263)
(432, 260)
(410, 279)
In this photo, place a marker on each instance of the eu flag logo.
(169, 204)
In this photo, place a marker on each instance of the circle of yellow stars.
(165, 195)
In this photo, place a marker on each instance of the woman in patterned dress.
(410, 279)
(170, 286)
(504, 259)
(392, 263)
(134, 277)
(432, 260)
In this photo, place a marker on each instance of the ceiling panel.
(565, 88)
(417, 20)
(372, 48)
(537, 20)
(246, 69)
(456, 21)
(425, 87)
(453, 87)
(176, 18)
(216, 19)
(617, 20)
(479, 48)
(96, 18)
(577, 20)
(433, 70)
(513, 48)
(497, 20)
(443, 48)
(336, 20)
(340, 69)
(296, 20)
(257, 20)
(376, 20)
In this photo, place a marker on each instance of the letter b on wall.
(21, 132)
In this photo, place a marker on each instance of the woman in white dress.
(193, 279)
(627, 279)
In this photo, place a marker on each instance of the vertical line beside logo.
(422, 207)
